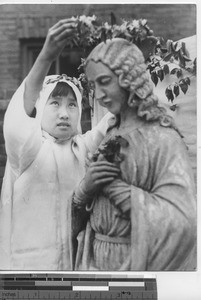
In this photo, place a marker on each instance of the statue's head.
(126, 60)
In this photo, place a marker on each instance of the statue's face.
(106, 86)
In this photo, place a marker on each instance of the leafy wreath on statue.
(158, 53)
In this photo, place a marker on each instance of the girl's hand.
(56, 38)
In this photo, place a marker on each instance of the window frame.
(28, 46)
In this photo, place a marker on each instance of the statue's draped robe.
(159, 231)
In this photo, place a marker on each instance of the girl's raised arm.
(55, 42)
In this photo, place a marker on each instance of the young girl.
(144, 220)
(46, 160)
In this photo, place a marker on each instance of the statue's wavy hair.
(126, 60)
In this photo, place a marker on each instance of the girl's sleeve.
(22, 133)
(94, 137)
(163, 219)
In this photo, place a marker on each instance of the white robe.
(40, 176)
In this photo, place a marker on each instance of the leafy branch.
(173, 90)
(90, 32)
(158, 66)
(159, 54)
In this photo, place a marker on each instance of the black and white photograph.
(98, 140)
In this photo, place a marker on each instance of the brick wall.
(32, 21)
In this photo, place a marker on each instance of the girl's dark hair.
(62, 89)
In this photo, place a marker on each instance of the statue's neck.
(129, 117)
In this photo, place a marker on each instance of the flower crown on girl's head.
(64, 77)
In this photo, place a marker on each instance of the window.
(67, 63)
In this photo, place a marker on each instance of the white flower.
(107, 26)
(143, 22)
(135, 24)
(93, 18)
(123, 27)
(74, 18)
(82, 18)
(87, 20)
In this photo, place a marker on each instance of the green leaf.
(166, 69)
(176, 90)
(169, 94)
(173, 107)
(161, 41)
(185, 51)
(169, 45)
(103, 35)
(154, 78)
(167, 57)
(151, 67)
(163, 50)
(176, 46)
(113, 19)
(173, 71)
(160, 74)
(187, 80)
(172, 47)
(182, 62)
(195, 65)
(75, 42)
(184, 86)
(186, 58)
(179, 73)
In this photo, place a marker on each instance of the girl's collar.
(46, 135)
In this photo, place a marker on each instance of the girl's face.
(60, 116)
(107, 89)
